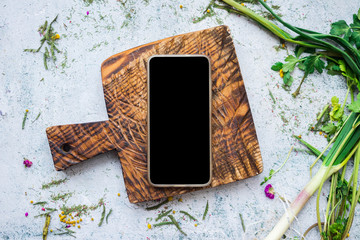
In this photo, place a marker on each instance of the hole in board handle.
(66, 147)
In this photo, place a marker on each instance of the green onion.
(345, 143)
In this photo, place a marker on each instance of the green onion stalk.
(344, 145)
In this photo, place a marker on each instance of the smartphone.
(179, 121)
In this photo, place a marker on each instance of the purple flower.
(67, 226)
(87, 13)
(26, 214)
(27, 163)
(269, 191)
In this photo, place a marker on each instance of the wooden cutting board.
(236, 153)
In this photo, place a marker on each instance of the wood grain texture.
(236, 153)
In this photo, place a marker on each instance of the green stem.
(295, 207)
(327, 218)
(355, 195)
(324, 44)
(269, 25)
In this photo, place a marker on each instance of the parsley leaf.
(329, 128)
(337, 111)
(355, 106)
(340, 28)
(333, 68)
(300, 49)
(355, 35)
(314, 62)
(288, 79)
(290, 64)
(277, 66)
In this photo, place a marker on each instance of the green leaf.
(329, 128)
(300, 49)
(333, 68)
(336, 230)
(340, 28)
(337, 111)
(355, 106)
(301, 66)
(355, 36)
(288, 79)
(277, 66)
(342, 65)
(290, 64)
(314, 62)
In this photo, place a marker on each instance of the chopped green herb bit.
(53, 183)
(206, 210)
(81, 208)
(162, 224)
(24, 119)
(102, 216)
(61, 196)
(50, 37)
(177, 224)
(187, 214)
(107, 216)
(161, 215)
(242, 222)
(40, 203)
(158, 205)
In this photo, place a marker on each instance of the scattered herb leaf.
(40, 203)
(102, 216)
(53, 183)
(24, 119)
(162, 224)
(242, 222)
(158, 205)
(107, 216)
(206, 210)
(187, 214)
(177, 224)
(161, 215)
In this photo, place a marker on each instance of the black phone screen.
(179, 121)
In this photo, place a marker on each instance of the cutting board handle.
(74, 143)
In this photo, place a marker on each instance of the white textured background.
(72, 93)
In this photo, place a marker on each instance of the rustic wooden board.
(236, 153)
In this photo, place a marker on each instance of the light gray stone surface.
(71, 92)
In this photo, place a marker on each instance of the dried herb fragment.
(102, 216)
(157, 206)
(24, 119)
(206, 210)
(209, 12)
(37, 117)
(50, 210)
(242, 222)
(162, 224)
(161, 215)
(107, 216)
(46, 226)
(50, 37)
(61, 196)
(40, 203)
(177, 224)
(81, 208)
(53, 183)
(65, 231)
(187, 214)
